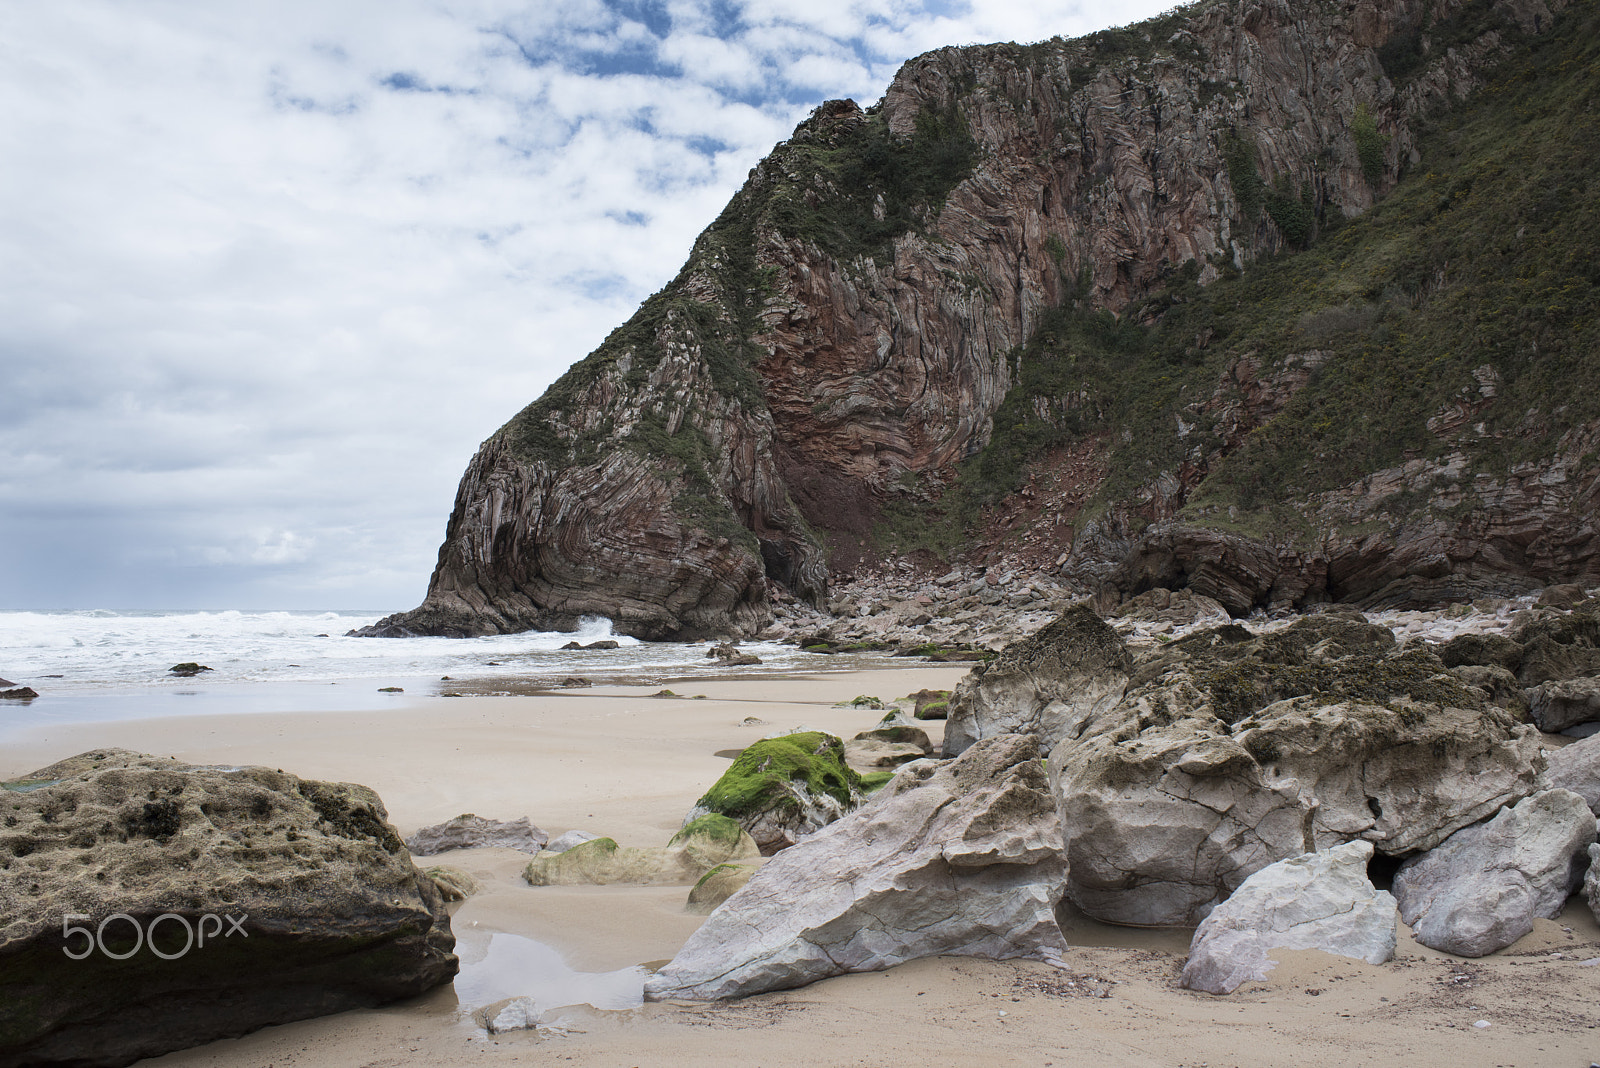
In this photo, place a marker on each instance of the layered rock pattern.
(962, 858)
(331, 913)
(844, 329)
(1316, 901)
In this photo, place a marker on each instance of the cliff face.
(840, 341)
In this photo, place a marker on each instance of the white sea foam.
(122, 651)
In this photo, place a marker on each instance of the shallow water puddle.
(509, 965)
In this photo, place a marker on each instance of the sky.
(269, 273)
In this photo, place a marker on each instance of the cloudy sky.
(270, 272)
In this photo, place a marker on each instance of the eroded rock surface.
(1555, 706)
(1314, 901)
(1576, 767)
(332, 913)
(962, 858)
(1480, 890)
(1231, 751)
(1049, 684)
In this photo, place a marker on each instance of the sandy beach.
(621, 762)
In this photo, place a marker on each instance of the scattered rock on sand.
(19, 693)
(693, 851)
(718, 885)
(930, 704)
(1482, 888)
(509, 1014)
(468, 831)
(961, 859)
(900, 734)
(1048, 684)
(1314, 901)
(781, 789)
(564, 842)
(331, 912)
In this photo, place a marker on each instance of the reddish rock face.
(847, 328)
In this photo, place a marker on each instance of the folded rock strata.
(1481, 889)
(962, 858)
(1314, 901)
(843, 331)
(332, 913)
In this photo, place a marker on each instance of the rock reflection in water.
(513, 966)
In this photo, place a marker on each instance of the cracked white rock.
(962, 858)
(1314, 901)
(1480, 890)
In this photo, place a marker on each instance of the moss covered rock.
(718, 885)
(782, 788)
(701, 845)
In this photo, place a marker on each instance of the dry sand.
(618, 761)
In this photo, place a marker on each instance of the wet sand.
(617, 761)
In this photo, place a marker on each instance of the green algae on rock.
(780, 788)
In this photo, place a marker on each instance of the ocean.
(100, 665)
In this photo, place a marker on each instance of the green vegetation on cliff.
(1474, 283)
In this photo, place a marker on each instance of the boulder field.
(1236, 779)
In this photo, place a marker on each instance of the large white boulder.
(1314, 901)
(1576, 767)
(1480, 890)
(962, 858)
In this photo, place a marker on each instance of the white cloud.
(269, 273)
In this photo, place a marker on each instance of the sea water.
(100, 664)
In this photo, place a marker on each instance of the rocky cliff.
(1002, 310)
